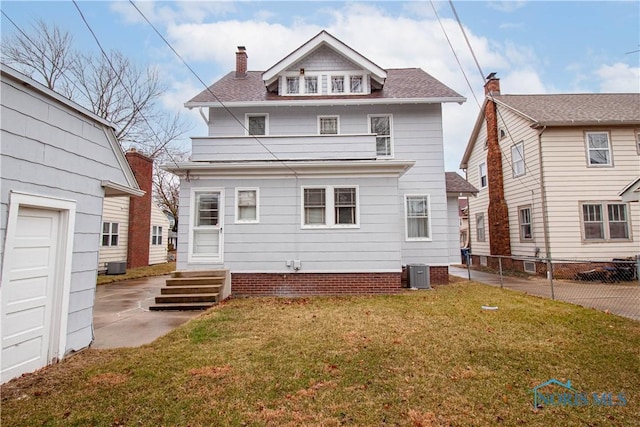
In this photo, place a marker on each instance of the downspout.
(543, 197)
(205, 118)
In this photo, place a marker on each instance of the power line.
(210, 91)
(464, 33)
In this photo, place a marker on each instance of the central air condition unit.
(419, 276)
(116, 267)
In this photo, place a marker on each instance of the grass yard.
(423, 358)
(138, 272)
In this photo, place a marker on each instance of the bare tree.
(166, 192)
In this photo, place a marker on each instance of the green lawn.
(423, 358)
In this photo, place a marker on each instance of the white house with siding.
(566, 161)
(322, 174)
(59, 162)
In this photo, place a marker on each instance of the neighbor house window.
(330, 206)
(605, 221)
(328, 125)
(482, 174)
(480, 227)
(598, 149)
(293, 84)
(311, 84)
(524, 223)
(156, 235)
(257, 124)
(417, 213)
(638, 142)
(517, 159)
(247, 205)
(337, 84)
(381, 126)
(110, 234)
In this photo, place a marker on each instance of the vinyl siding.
(49, 149)
(480, 203)
(115, 209)
(158, 253)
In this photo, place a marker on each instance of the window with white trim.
(524, 223)
(311, 84)
(257, 124)
(381, 126)
(517, 159)
(337, 84)
(598, 149)
(330, 206)
(638, 141)
(328, 125)
(602, 221)
(247, 205)
(110, 234)
(356, 84)
(417, 217)
(480, 235)
(156, 235)
(293, 85)
(482, 174)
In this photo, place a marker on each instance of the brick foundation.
(304, 284)
(439, 275)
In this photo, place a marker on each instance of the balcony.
(289, 147)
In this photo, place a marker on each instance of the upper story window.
(257, 124)
(337, 84)
(293, 85)
(482, 174)
(328, 125)
(598, 149)
(381, 126)
(356, 84)
(517, 159)
(311, 84)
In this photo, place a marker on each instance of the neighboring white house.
(565, 160)
(59, 162)
(321, 167)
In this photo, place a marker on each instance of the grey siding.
(49, 149)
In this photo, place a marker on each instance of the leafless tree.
(166, 192)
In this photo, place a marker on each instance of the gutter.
(325, 102)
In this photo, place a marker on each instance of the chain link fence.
(611, 285)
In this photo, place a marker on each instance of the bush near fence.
(601, 271)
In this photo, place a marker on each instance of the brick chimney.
(140, 211)
(498, 213)
(241, 62)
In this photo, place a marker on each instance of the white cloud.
(507, 6)
(619, 77)
(523, 81)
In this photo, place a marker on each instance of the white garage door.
(30, 324)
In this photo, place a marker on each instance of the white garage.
(59, 162)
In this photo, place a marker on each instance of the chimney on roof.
(492, 85)
(241, 62)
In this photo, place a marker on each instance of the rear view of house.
(59, 162)
(322, 174)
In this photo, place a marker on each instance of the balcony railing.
(294, 147)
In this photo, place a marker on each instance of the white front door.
(30, 303)
(207, 218)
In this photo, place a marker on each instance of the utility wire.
(136, 107)
(464, 33)
(208, 89)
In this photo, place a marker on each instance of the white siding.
(454, 229)
(158, 253)
(115, 209)
(49, 149)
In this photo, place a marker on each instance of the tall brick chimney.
(140, 211)
(498, 213)
(241, 62)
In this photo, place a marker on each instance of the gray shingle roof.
(457, 184)
(576, 109)
(405, 83)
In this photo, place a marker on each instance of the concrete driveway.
(121, 316)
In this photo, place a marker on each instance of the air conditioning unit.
(117, 267)
(419, 276)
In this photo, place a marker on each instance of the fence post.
(500, 269)
(550, 274)
(468, 257)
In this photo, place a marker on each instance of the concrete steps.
(191, 290)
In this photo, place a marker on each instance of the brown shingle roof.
(405, 83)
(576, 109)
(457, 184)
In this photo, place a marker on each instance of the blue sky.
(534, 46)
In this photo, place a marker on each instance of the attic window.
(311, 84)
(293, 85)
(337, 84)
(502, 133)
(356, 84)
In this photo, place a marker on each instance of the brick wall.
(301, 284)
(439, 275)
(140, 211)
